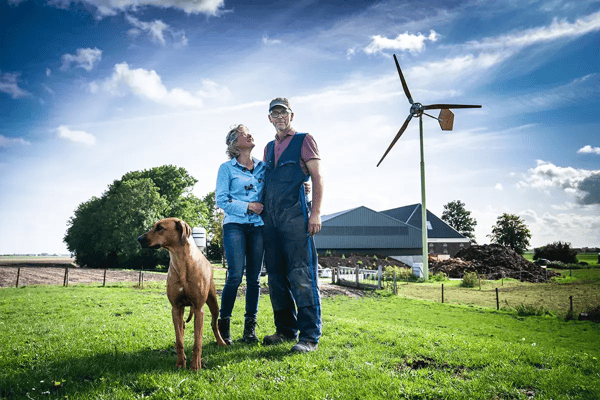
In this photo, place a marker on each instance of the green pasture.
(590, 258)
(581, 286)
(117, 342)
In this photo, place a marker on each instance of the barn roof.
(411, 215)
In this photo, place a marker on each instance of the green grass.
(590, 258)
(116, 342)
(583, 285)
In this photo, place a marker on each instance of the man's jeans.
(244, 250)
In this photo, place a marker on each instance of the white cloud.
(584, 184)
(270, 42)
(568, 227)
(156, 30)
(148, 84)
(556, 30)
(7, 142)
(9, 84)
(48, 72)
(76, 136)
(589, 150)
(112, 7)
(499, 187)
(85, 58)
(404, 42)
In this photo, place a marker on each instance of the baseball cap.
(280, 101)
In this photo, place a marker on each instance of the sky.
(93, 89)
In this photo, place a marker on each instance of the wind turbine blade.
(400, 132)
(448, 106)
(404, 85)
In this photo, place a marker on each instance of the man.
(290, 253)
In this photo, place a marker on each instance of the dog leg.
(213, 306)
(179, 327)
(196, 363)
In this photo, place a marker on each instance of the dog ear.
(185, 231)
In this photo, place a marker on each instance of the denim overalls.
(290, 253)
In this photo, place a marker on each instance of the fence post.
(140, 279)
(18, 273)
(379, 273)
(395, 287)
(104, 281)
(497, 300)
(357, 284)
(442, 293)
(66, 280)
(571, 304)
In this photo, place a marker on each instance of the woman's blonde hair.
(232, 148)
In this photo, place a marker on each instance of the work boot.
(304, 346)
(277, 338)
(223, 325)
(249, 335)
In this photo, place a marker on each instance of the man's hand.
(314, 224)
(256, 208)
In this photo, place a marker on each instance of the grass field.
(590, 258)
(116, 342)
(582, 285)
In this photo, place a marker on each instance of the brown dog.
(189, 283)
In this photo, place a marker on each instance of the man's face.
(281, 118)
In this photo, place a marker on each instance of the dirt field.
(51, 271)
(54, 274)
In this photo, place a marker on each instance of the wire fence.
(15, 276)
(526, 298)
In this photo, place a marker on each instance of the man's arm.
(314, 222)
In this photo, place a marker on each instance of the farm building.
(394, 233)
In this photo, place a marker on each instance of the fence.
(24, 276)
(498, 294)
(356, 277)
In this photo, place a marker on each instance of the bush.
(401, 273)
(439, 277)
(524, 310)
(470, 279)
(557, 251)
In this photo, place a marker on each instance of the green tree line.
(102, 232)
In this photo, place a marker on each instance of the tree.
(511, 231)
(103, 231)
(557, 251)
(456, 215)
(214, 249)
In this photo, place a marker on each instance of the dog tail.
(189, 318)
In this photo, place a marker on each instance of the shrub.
(439, 277)
(401, 273)
(557, 251)
(524, 310)
(470, 279)
(557, 265)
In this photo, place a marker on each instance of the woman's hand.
(255, 207)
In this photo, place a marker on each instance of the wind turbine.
(446, 120)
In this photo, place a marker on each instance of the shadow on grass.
(83, 375)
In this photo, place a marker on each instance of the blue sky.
(93, 89)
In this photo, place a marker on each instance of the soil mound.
(363, 261)
(493, 261)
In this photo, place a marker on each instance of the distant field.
(590, 258)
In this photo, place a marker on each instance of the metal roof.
(411, 215)
(363, 228)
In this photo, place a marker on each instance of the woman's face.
(244, 138)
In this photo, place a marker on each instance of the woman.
(239, 187)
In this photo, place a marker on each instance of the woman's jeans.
(244, 250)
